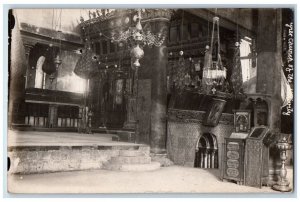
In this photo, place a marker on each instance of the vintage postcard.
(151, 100)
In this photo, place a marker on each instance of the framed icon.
(242, 121)
(213, 115)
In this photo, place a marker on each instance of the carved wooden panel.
(253, 163)
(233, 165)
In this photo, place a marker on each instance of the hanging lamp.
(214, 73)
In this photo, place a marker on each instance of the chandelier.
(135, 36)
(214, 73)
(137, 33)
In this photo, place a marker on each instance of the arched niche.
(206, 151)
(40, 56)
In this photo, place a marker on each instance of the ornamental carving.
(233, 155)
(232, 163)
(233, 146)
(189, 116)
(232, 172)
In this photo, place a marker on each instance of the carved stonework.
(28, 47)
(189, 116)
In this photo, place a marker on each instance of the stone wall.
(27, 160)
(183, 136)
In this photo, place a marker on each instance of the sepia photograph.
(159, 100)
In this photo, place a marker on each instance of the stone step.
(133, 167)
(131, 159)
(132, 153)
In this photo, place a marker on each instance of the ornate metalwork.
(283, 184)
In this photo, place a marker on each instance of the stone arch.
(206, 151)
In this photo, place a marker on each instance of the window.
(246, 60)
(248, 72)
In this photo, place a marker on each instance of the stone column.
(269, 61)
(156, 60)
(269, 64)
(213, 158)
(28, 48)
(202, 159)
(205, 159)
(208, 159)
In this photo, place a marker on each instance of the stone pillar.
(156, 60)
(202, 159)
(28, 48)
(30, 72)
(269, 61)
(208, 159)
(269, 64)
(205, 159)
(213, 158)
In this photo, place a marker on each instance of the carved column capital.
(28, 47)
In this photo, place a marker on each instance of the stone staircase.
(132, 160)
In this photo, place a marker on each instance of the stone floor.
(174, 179)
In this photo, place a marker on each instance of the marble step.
(131, 160)
(133, 167)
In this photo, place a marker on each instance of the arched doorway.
(206, 152)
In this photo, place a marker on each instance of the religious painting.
(213, 115)
(242, 121)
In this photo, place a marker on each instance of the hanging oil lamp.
(214, 73)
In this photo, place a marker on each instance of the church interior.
(144, 89)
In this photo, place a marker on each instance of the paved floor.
(174, 179)
(35, 138)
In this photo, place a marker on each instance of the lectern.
(257, 157)
(233, 164)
